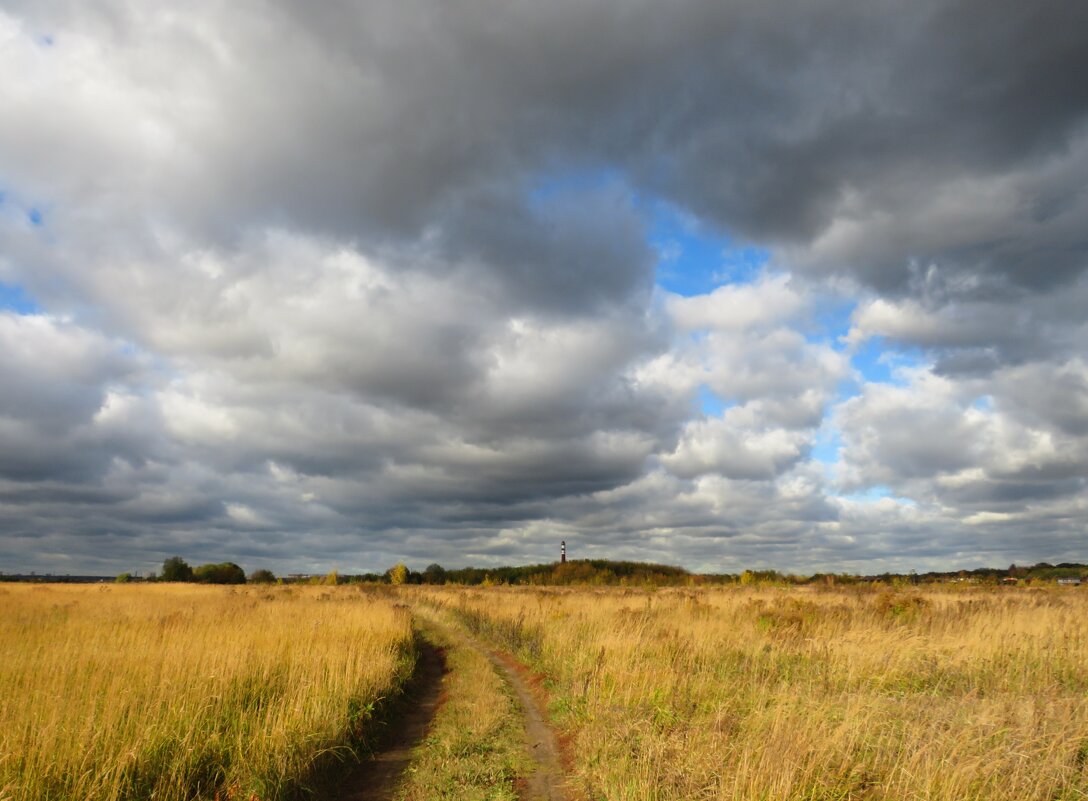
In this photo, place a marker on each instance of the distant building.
(1070, 582)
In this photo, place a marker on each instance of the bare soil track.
(375, 779)
(546, 782)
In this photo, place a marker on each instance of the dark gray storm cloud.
(785, 124)
(353, 282)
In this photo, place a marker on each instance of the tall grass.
(801, 694)
(185, 692)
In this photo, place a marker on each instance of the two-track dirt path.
(546, 783)
(376, 779)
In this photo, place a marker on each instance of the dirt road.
(376, 779)
(546, 782)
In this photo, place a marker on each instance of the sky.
(726, 285)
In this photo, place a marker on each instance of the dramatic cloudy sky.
(722, 284)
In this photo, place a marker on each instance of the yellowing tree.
(398, 574)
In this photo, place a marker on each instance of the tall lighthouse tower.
(563, 552)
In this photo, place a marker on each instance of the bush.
(222, 573)
(123, 578)
(434, 574)
(262, 577)
(176, 569)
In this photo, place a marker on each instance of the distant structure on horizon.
(563, 552)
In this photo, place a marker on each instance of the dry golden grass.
(181, 692)
(800, 694)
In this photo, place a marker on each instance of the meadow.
(747, 693)
(739, 692)
(179, 692)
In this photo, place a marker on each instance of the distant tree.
(434, 574)
(221, 573)
(176, 569)
(262, 577)
(398, 574)
(332, 578)
(123, 578)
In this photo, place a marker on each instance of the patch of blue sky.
(693, 260)
(877, 492)
(35, 218)
(46, 40)
(873, 362)
(710, 403)
(826, 446)
(876, 361)
(887, 361)
(14, 298)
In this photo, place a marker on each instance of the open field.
(179, 691)
(186, 692)
(802, 694)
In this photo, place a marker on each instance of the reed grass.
(180, 692)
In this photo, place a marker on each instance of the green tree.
(176, 569)
(221, 573)
(398, 574)
(123, 578)
(434, 574)
(262, 577)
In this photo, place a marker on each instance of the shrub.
(222, 573)
(176, 569)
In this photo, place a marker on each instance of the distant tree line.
(598, 572)
(177, 569)
(583, 571)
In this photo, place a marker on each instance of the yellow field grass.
(798, 694)
(181, 692)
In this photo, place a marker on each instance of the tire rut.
(547, 782)
(376, 778)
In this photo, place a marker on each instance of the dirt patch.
(535, 682)
(546, 783)
(375, 778)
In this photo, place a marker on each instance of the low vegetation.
(771, 693)
(181, 691)
(474, 750)
(756, 690)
